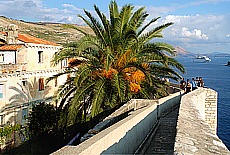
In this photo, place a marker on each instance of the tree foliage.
(7, 131)
(42, 119)
(120, 61)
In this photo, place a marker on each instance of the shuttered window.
(41, 84)
(40, 56)
(1, 58)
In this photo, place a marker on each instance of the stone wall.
(205, 101)
(211, 109)
(196, 126)
(127, 135)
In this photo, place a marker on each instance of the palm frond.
(98, 96)
(78, 98)
(138, 18)
(88, 41)
(166, 48)
(106, 25)
(122, 20)
(95, 26)
(114, 12)
(121, 86)
(147, 25)
(174, 63)
(154, 33)
(63, 54)
(83, 74)
(65, 72)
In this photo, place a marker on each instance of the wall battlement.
(211, 109)
(205, 101)
(196, 125)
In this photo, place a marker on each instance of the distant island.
(219, 54)
(184, 53)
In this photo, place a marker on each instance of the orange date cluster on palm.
(135, 77)
(110, 73)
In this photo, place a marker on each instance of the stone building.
(25, 64)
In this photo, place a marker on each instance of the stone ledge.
(194, 135)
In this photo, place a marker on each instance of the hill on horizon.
(55, 32)
(182, 52)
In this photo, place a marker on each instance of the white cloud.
(72, 7)
(207, 31)
(35, 10)
(195, 33)
(198, 26)
(198, 31)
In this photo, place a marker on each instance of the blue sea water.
(216, 76)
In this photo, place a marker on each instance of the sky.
(200, 26)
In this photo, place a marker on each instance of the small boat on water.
(202, 59)
(228, 63)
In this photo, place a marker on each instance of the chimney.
(12, 31)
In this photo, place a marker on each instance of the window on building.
(1, 58)
(56, 82)
(1, 119)
(24, 113)
(41, 84)
(64, 63)
(40, 56)
(1, 90)
(24, 82)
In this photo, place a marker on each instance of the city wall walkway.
(162, 142)
(184, 130)
(156, 127)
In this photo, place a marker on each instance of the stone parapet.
(211, 109)
(205, 101)
(125, 136)
(196, 126)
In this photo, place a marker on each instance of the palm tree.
(120, 62)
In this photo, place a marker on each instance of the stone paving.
(164, 139)
(183, 132)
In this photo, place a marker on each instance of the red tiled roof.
(4, 33)
(10, 47)
(30, 39)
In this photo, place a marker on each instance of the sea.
(217, 77)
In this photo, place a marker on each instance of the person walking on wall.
(188, 87)
(182, 84)
(197, 81)
(194, 86)
(201, 82)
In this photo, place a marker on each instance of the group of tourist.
(188, 86)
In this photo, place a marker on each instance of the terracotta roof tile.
(10, 47)
(30, 39)
(4, 33)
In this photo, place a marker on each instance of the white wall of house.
(25, 86)
(17, 90)
(7, 57)
(39, 57)
(26, 83)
